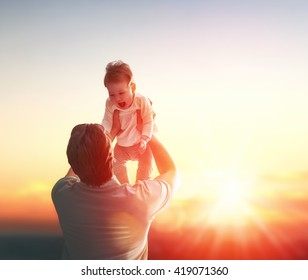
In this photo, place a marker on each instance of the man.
(99, 217)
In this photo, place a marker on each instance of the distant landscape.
(185, 244)
(275, 229)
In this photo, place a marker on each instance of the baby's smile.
(122, 104)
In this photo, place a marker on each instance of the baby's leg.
(145, 165)
(119, 166)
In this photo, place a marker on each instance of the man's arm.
(165, 164)
(107, 119)
(111, 121)
(116, 125)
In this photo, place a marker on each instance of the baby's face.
(120, 93)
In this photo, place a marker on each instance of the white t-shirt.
(128, 119)
(109, 222)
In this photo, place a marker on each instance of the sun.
(231, 204)
(232, 193)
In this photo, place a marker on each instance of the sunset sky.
(228, 80)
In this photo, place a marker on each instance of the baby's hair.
(117, 71)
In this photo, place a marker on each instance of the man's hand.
(116, 125)
(139, 120)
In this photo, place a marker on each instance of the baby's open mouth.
(122, 104)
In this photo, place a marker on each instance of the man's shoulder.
(156, 187)
(155, 195)
(64, 184)
(156, 181)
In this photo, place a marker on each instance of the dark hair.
(90, 155)
(118, 71)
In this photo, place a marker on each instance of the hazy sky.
(228, 80)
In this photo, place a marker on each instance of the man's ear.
(133, 87)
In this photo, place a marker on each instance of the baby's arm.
(143, 143)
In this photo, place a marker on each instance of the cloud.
(294, 177)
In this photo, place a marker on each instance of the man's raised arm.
(165, 164)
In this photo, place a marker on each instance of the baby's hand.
(143, 144)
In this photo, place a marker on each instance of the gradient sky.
(228, 80)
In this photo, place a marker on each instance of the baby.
(136, 118)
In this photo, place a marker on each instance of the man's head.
(119, 83)
(89, 153)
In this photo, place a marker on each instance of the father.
(99, 217)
